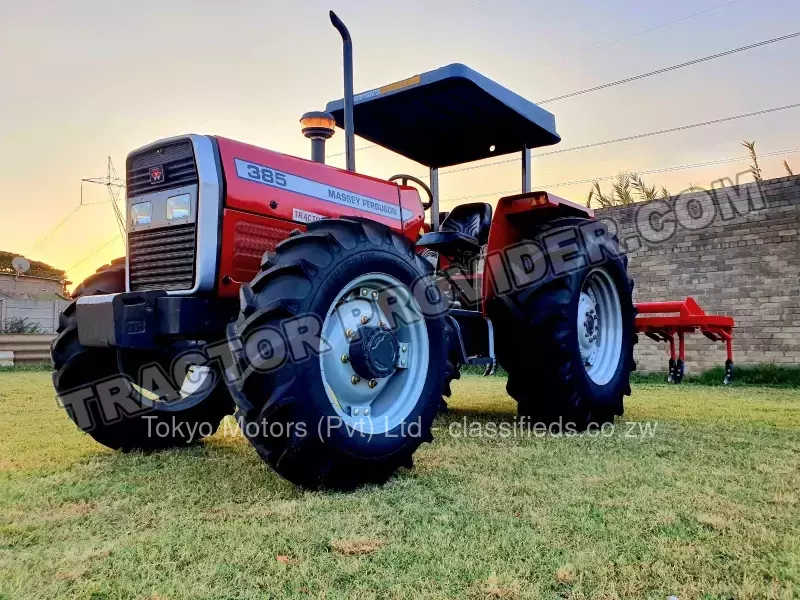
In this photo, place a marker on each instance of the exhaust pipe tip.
(349, 132)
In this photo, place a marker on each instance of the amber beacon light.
(318, 127)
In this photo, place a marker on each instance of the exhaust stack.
(349, 136)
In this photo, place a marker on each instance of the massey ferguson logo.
(156, 175)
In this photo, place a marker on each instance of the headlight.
(178, 207)
(141, 213)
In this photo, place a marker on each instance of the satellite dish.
(21, 265)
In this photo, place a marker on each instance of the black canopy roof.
(449, 116)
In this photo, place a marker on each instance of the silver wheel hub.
(375, 360)
(599, 324)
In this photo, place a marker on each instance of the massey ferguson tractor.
(331, 310)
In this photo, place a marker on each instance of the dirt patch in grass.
(357, 547)
(233, 511)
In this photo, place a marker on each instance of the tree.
(38, 269)
(755, 169)
(626, 189)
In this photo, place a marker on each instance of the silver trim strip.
(209, 201)
(283, 180)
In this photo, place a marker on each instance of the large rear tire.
(452, 366)
(567, 340)
(309, 408)
(154, 423)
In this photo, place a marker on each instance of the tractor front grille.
(177, 161)
(162, 259)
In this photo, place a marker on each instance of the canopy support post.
(526, 170)
(434, 179)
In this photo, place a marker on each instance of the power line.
(635, 35)
(672, 130)
(668, 69)
(381, 46)
(92, 253)
(631, 79)
(48, 235)
(709, 163)
(620, 40)
(627, 138)
(618, 140)
(429, 25)
(111, 181)
(357, 150)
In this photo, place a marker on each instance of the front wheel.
(342, 337)
(134, 400)
(566, 340)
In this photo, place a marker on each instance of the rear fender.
(516, 218)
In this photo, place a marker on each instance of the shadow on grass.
(217, 466)
(478, 414)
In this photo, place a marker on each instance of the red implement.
(681, 318)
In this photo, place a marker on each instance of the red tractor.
(322, 304)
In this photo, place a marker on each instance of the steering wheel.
(404, 179)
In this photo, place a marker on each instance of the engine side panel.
(285, 187)
(245, 239)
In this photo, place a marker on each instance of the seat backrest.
(474, 219)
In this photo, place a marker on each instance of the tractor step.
(475, 335)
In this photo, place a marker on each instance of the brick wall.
(736, 250)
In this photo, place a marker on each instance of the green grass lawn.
(706, 504)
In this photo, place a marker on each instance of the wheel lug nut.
(355, 412)
(355, 379)
(364, 320)
(345, 358)
(372, 383)
(366, 412)
(374, 295)
(403, 363)
(403, 348)
(381, 324)
(364, 292)
(349, 332)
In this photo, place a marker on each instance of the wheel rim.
(361, 307)
(600, 326)
(195, 387)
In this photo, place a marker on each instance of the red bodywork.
(514, 217)
(689, 318)
(268, 194)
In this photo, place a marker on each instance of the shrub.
(20, 325)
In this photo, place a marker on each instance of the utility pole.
(114, 184)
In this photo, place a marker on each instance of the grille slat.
(177, 159)
(155, 269)
(162, 259)
(146, 245)
(145, 259)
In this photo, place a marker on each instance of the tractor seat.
(465, 230)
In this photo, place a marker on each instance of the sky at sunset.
(84, 80)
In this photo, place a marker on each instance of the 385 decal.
(266, 175)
